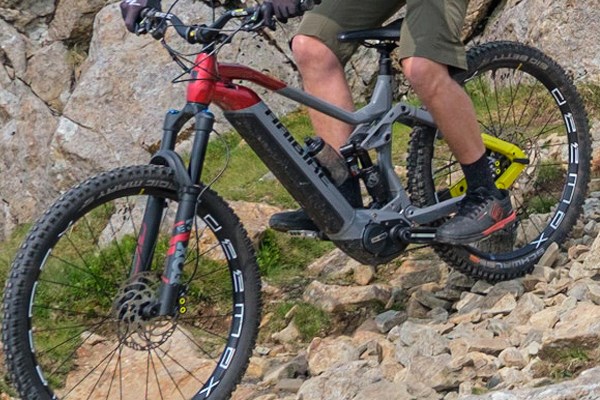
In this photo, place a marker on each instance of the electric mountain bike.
(141, 282)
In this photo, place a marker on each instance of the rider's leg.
(320, 59)
(454, 115)
(431, 45)
(323, 76)
(485, 208)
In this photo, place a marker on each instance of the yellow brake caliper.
(504, 179)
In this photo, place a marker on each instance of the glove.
(132, 9)
(284, 9)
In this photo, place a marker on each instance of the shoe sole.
(474, 237)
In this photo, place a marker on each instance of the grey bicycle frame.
(306, 182)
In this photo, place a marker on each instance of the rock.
(488, 345)
(324, 354)
(505, 305)
(288, 335)
(389, 319)
(334, 263)
(469, 302)
(546, 274)
(332, 298)
(50, 76)
(294, 368)
(433, 372)
(459, 280)
(526, 306)
(413, 273)
(289, 385)
(508, 378)
(364, 274)
(481, 287)
(550, 256)
(586, 386)
(576, 251)
(343, 382)
(545, 319)
(418, 340)
(579, 271)
(429, 300)
(512, 357)
(254, 217)
(579, 326)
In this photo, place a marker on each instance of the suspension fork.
(189, 191)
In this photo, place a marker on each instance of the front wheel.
(73, 323)
(535, 129)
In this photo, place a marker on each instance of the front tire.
(72, 327)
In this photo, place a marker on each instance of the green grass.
(591, 98)
(311, 321)
(282, 258)
(246, 177)
(566, 361)
(9, 248)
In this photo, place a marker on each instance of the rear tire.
(525, 98)
(72, 324)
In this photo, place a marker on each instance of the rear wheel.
(523, 98)
(73, 323)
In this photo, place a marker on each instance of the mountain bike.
(141, 282)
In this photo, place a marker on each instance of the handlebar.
(256, 18)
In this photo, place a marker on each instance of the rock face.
(78, 94)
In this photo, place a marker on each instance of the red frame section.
(213, 83)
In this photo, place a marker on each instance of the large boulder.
(564, 29)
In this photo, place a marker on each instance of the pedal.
(417, 235)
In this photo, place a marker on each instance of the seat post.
(385, 60)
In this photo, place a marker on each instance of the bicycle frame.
(371, 236)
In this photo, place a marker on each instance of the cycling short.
(431, 28)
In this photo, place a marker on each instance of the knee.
(310, 52)
(424, 75)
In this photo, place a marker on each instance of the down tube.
(293, 167)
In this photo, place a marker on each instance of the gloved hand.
(284, 9)
(131, 10)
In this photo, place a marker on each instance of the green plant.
(310, 320)
(566, 361)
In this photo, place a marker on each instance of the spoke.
(190, 373)
(92, 371)
(60, 284)
(197, 345)
(48, 351)
(112, 379)
(484, 96)
(89, 315)
(147, 372)
(170, 376)
(87, 271)
(156, 376)
(102, 374)
(195, 318)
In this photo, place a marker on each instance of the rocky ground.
(443, 335)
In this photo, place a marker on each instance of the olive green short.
(431, 28)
